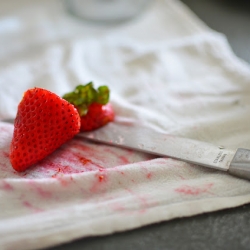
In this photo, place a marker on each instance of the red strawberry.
(43, 123)
(92, 105)
(98, 115)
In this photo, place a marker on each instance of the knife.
(124, 134)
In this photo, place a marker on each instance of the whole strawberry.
(92, 105)
(43, 123)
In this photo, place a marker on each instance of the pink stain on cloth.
(180, 78)
(83, 181)
(189, 190)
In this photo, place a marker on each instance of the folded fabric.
(189, 83)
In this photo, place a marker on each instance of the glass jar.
(106, 11)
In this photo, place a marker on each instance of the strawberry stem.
(84, 95)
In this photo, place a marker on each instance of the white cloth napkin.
(167, 69)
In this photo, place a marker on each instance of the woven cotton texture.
(165, 69)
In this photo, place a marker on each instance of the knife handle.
(240, 165)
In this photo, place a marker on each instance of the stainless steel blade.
(235, 161)
(127, 135)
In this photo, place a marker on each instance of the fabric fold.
(167, 70)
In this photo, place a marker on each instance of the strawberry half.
(43, 123)
(92, 105)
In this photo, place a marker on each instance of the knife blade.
(124, 134)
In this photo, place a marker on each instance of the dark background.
(227, 229)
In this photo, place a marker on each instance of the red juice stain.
(68, 170)
(101, 178)
(189, 190)
(141, 199)
(40, 191)
(43, 193)
(145, 171)
(124, 159)
(118, 207)
(30, 206)
(20, 174)
(67, 161)
(84, 161)
(6, 186)
(56, 173)
(4, 166)
(149, 175)
(65, 182)
(77, 157)
(61, 170)
(53, 166)
(6, 154)
(99, 182)
(118, 171)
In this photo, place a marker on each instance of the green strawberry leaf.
(103, 95)
(84, 95)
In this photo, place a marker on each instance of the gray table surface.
(227, 229)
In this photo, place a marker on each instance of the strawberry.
(98, 115)
(43, 123)
(92, 105)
